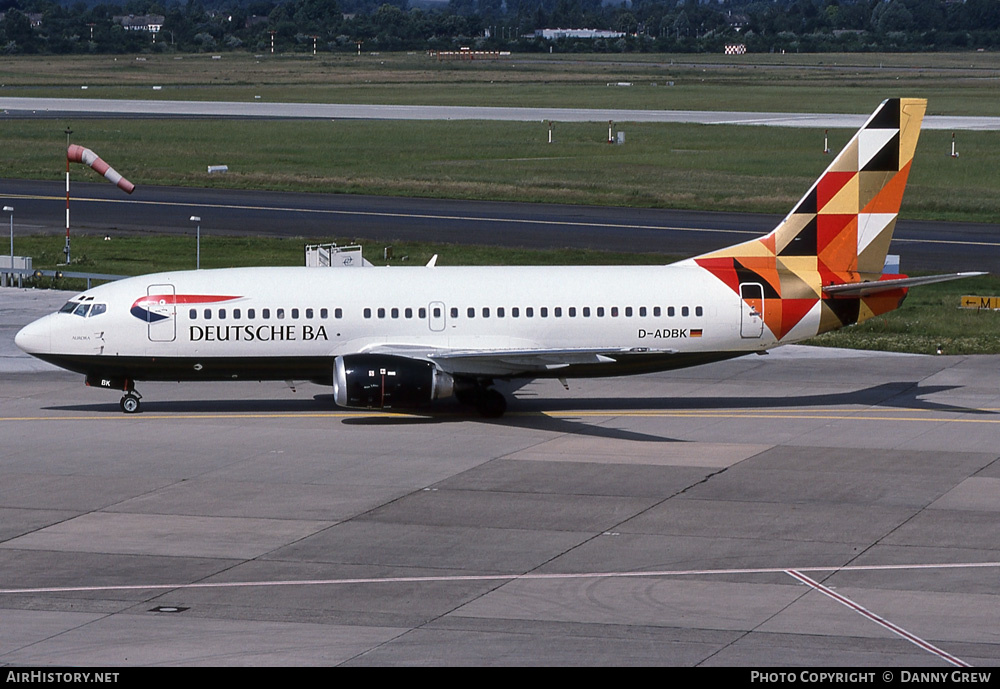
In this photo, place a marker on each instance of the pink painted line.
(881, 621)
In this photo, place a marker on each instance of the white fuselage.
(289, 323)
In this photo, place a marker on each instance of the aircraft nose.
(33, 338)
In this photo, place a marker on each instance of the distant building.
(737, 21)
(35, 19)
(152, 23)
(554, 34)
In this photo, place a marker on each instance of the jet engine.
(384, 381)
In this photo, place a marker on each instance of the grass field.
(753, 169)
(757, 169)
(955, 83)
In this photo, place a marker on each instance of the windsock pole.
(66, 248)
(79, 154)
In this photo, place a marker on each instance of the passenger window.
(500, 312)
(381, 313)
(309, 313)
(486, 312)
(586, 312)
(395, 312)
(368, 313)
(572, 312)
(408, 312)
(685, 311)
(470, 312)
(265, 313)
(222, 313)
(237, 313)
(193, 314)
(280, 313)
(614, 312)
(656, 311)
(628, 311)
(557, 311)
(208, 314)
(422, 312)
(251, 313)
(295, 313)
(642, 311)
(544, 312)
(600, 312)
(671, 312)
(529, 312)
(337, 313)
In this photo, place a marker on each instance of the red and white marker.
(79, 154)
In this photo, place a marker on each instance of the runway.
(96, 107)
(40, 207)
(807, 508)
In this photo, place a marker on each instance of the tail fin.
(839, 232)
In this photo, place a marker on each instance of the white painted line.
(385, 214)
(471, 218)
(895, 629)
(498, 577)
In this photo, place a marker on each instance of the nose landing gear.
(130, 402)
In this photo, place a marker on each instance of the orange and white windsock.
(79, 154)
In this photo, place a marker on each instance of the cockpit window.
(68, 307)
(81, 310)
(98, 309)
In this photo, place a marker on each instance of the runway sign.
(980, 303)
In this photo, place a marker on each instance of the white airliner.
(402, 337)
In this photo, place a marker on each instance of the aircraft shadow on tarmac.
(899, 395)
(530, 412)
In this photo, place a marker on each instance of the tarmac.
(808, 508)
(16, 106)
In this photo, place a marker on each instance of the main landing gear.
(488, 401)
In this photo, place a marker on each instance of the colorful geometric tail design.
(838, 233)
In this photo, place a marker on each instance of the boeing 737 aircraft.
(403, 337)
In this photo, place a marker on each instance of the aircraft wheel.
(491, 404)
(130, 404)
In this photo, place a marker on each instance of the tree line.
(48, 27)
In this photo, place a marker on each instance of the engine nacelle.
(384, 381)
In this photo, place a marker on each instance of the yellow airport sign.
(969, 302)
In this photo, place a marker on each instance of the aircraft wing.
(513, 361)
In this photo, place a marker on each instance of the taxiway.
(810, 507)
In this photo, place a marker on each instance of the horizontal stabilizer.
(863, 289)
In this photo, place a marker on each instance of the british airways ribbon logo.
(157, 307)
